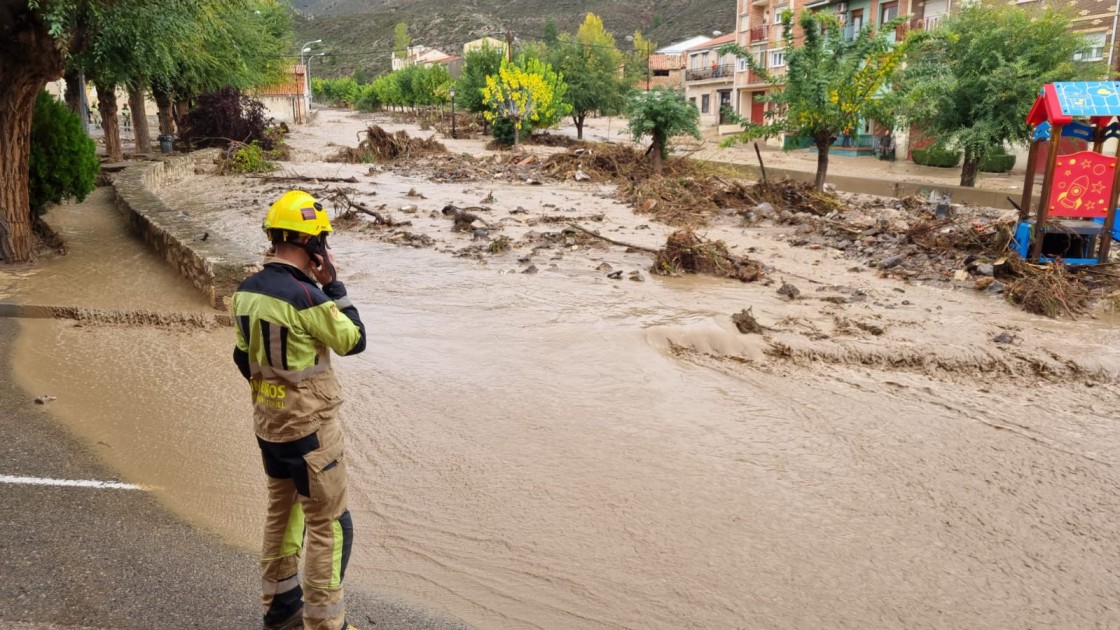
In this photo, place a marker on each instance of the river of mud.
(561, 450)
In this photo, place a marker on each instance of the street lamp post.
(453, 112)
(309, 95)
(306, 79)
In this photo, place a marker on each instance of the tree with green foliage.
(970, 83)
(637, 67)
(590, 63)
(63, 162)
(830, 84)
(661, 114)
(478, 64)
(527, 93)
(551, 33)
(401, 40)
(39, 36)
(343, 92)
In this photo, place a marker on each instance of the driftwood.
(340, 197)
(588, 232)
(304, 178)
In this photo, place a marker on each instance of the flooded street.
(559, 450)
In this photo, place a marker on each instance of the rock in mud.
(892, 262)
(604, 267)
(746, 323)
(44, 399)
(530, 269)
(637, 276)
(615, 275)
(1005, 337)
(789, 291)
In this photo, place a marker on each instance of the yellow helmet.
(297, 211)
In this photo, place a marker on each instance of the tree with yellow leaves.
(527, 93)
(831, 81)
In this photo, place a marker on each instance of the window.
(777, 58)
(888, 12)
(743, 67)
(705, 105)
(778, 15)
(1094, 48)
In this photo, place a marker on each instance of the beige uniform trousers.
(307, 499)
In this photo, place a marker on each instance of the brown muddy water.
(559, 451)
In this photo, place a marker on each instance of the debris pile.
(381, 146)
(687, 252)
(1054, 290)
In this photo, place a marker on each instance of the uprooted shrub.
(246, 158)
(224, 117)
(687, 252)
(381, 146)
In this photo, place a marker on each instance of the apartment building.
(759, 30)
(709, 80)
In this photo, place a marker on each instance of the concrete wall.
(888, 188)
(216, 266)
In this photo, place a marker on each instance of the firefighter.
(289, 317)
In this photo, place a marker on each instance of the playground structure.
(1079, 190)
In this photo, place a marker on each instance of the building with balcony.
(759, 30)
(709, 80)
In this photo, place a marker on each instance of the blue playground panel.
(1021, 242)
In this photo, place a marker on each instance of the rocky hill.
(359, 33)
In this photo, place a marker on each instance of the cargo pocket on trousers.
(326, 471)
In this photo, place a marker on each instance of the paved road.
(75, 557)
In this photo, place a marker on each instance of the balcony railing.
(714, 72)
(759, 34)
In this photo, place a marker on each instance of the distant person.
(886, 146)
(126, 118)
(290, 316)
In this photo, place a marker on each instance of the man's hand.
(324, 270)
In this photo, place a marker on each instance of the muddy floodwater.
(561, 450)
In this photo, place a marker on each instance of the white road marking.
(71, 483)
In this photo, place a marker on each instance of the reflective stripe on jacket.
(286, 327)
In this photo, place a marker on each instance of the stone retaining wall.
(212, 263)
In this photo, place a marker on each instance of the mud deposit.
(562, 449)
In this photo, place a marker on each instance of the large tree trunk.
(969, 169)
(163, 102)
(28, 59)
(107, 105)
(73, 96)
(822, 162)
(139, 118)
(179, 112)
(578, 120)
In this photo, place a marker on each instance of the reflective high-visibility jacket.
(286, 327)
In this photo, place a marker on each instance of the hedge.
(999, 162)
(936, 156)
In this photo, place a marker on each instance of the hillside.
(359, 34)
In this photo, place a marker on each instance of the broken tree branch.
(588, 232)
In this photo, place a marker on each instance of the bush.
(226, 116)
(934, 155)
(998, 162)
(63, 157)
(503, 131)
